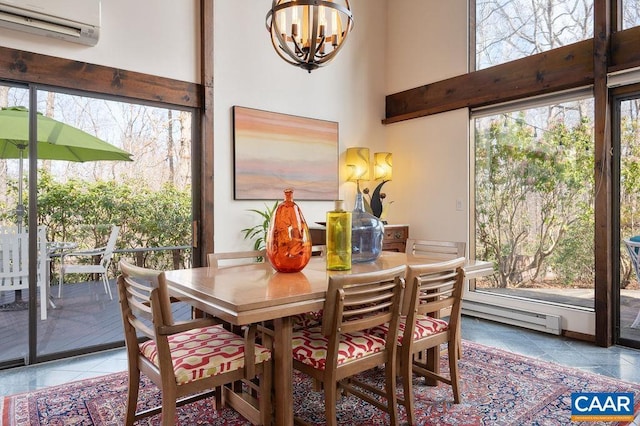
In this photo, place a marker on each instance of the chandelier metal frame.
(311, 53)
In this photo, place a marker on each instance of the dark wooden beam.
(23, 66)
(207, 140)
(563, 68)
(625, 50)
(559, 69)
(602, 177)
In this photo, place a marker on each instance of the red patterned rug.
(498, 388)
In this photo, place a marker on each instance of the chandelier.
(309, 33)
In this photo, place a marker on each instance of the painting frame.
(274, 151)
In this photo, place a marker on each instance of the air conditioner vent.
(77, 21)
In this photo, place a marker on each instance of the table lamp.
(357, 161)
(382, 171)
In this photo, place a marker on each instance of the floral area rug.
(498, 388)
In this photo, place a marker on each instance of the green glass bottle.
(339, 238)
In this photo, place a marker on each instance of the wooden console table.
(395, 237)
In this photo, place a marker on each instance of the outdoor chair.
(102, 267)
(633, 248)
(14, 265)
(187, 360)
(342, 346)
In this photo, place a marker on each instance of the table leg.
(433, 364)
(283, 371)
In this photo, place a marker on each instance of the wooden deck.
(85, 317)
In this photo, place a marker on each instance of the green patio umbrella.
(56, 141)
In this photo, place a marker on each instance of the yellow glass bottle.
(339, 238)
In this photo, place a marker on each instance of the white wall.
(161, 38)
(430, 175)
(248, 72)
(427, 42)
(158, 37)
(431, 154)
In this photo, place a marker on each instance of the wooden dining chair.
(342, 346)
(235, 258)
(187, 360)
(226, 259)
(436, 250)
(222, 259)
(217, 260)
(319, 250)
(432, 287)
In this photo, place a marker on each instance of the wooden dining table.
(253, 293)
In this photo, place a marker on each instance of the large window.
(534, 191)
(506, 30)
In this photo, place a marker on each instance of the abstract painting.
(274, 151)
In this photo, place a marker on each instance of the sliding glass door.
(112, 176)
(15, 295)
(627, 141)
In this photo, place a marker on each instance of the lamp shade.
(382, 165)
(357, 161)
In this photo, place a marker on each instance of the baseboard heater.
(547, 323)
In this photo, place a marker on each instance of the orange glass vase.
(288, 237)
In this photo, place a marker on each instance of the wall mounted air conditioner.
(77, 21)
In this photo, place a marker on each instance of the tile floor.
(618, 362)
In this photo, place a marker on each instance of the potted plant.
(258, 233)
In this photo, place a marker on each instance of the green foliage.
(572, 260)
(82, 212)
(533, 195)
(258, 233)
